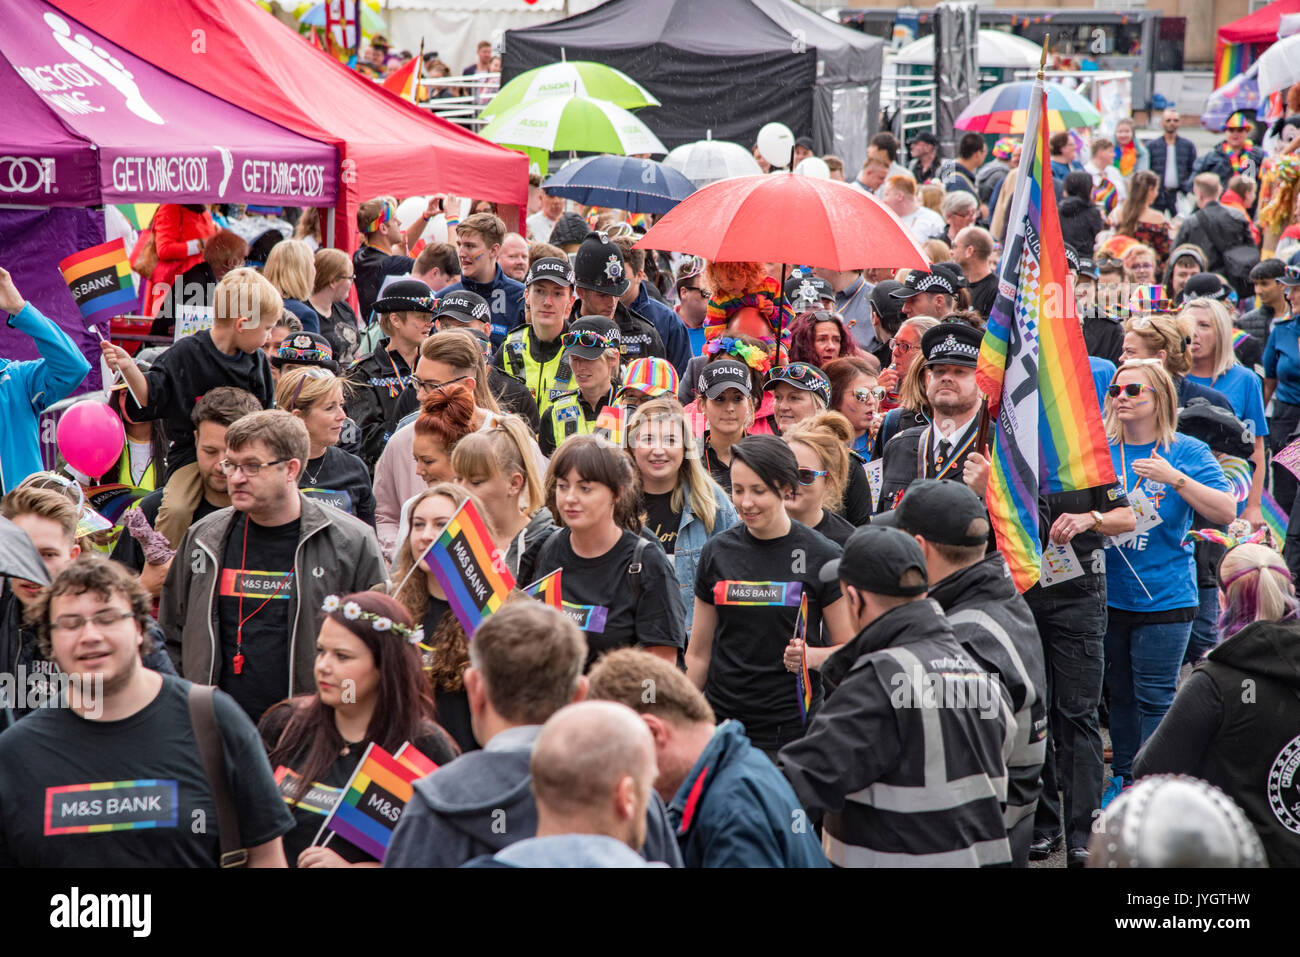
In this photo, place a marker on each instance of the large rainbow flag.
(1047, 433)
(468, 566)
(100, 281)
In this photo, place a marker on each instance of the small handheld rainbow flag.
(803, 682)
(411, 757)
(100, 280)
(468, 566)
(613, 419)
(372, 802)
(547, 590)
(1274, 517)
(1106, 196)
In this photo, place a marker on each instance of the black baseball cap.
(951, 344)
(601, 334)
(801, 375)
(1088, 268)
(877, 559)
(570, 228)
(719, 376)
(551, 269)
(304, 349)
(925, 136)
(1204, 285)
(919, 281)
(940, 511)
(406, 295)
(886, 305)
(804, 141)
(463, 306)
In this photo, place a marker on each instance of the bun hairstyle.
(829, 435)
(1256, 586)
(447, 415)
(1161, 332)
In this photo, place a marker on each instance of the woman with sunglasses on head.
(855, 394)
(1158, 337)
(446, 648)
(496, 466)
(821, 447)
(904, 401)
(618, 584)
(592, 350)
(1151, 590)
(369, 689)
(802, 391)
(1238, 741)
(748, 588)
(819, 337)
(329, 475)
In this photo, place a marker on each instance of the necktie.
(941, 453)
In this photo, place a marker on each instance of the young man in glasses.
(692, 303)
(114, 779)
(241, 605)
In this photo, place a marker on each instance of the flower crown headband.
(752, 356)
(354, 612)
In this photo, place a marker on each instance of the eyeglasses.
(901, 345)
(808, 476)
(428, 385)
(589, 340)
(1132, 390)
(866, 395)
(250, 469)
(104, 618)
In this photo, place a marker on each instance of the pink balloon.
(90, 437)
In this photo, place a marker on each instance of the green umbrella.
(571, 78)
(572, 124)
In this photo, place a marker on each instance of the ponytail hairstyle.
(829, 435)
(447, 415)
(500, 452)
(693, 478)
(1256, 586)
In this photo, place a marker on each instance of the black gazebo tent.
(728, 66)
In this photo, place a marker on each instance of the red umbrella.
(787, 218)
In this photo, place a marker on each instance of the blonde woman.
(497, 465)
(291, 269)
(329, 301)
(1139, 264)
(903, 380)
(329, 475)
(821, 449)
(1158, 337)
(1151, 592)
(681, 504)
(1208, 325)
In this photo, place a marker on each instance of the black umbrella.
(18, 556)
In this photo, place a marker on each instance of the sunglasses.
(808, 476)
(1132, 390)
(796, 372)
(589, 340)
(866, 395)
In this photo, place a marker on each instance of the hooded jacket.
(994, 624)
(905, 763)
(482, 803)
(1236, 724)
(734, 809)
(1178, 252)
(1080, 223)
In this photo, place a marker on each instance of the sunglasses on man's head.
(1132, 390)
(588, 340)
(808, 476)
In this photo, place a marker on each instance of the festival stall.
(1240, 42)
(386, 146)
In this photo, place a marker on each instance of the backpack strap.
(634, 569)
(203, 718)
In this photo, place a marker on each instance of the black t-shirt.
(311, 809)
(1087, 545)
(983, 293)
(62, 775)
(661, 520)
(340, 479)
(371, 267)
(754, 586)
(718, 469)
(340, 327)
(128, 551)
(451, 707)
(834, 527)
(598, 595)
(857, 506)
(265, 579)
(184, 374)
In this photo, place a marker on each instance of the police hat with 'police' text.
(551, 269)
(463, 306)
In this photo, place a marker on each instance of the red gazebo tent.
(242, 54)
(1239, 43)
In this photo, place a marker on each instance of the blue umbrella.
(1239, 93)
(620, 182)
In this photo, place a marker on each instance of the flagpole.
(415, 79)
(418, 561)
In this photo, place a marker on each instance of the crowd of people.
(785, 635)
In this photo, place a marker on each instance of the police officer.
(591, 347)
(601, 277)
(534, 352)
(903, 765)
(991, 621)
(946, 447)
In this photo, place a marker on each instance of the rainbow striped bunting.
(1046, 427)
(100, 281)
(469, 567)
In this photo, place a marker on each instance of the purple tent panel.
(88, 123)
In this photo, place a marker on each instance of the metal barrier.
(911, 102)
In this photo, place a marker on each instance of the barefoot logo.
(99, 62)
(227, 167)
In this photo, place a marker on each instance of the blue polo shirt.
(1241, 387)
(1282, 360)
(1103, 370)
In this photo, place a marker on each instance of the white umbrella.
(997, 50)
(1279, 66)
(561, 124)
(708, 160)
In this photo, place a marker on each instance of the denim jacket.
(691, 536)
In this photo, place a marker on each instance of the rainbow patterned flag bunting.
(100, 281)
(613, 419)
(547, 590)
(1046, 426)
(803, 681)
(372, 802)
(469, 567)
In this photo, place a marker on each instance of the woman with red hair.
(820, 337)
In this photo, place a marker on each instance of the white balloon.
(776, 144)
(409, 210)
(814, 166)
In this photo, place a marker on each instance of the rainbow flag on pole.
(1046, 427)
(100, 281)
(803, 681)
(372, 802)
(410, 757)
(469, 567)
(547, 590)
(1274, 518)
